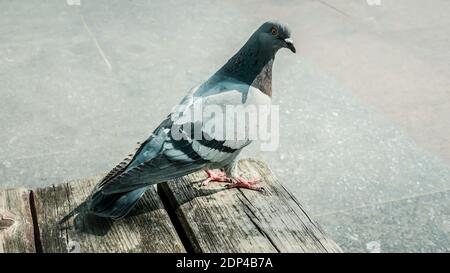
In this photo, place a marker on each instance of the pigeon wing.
(184, 143)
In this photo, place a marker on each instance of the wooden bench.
(177, 216)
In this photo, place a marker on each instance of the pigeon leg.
(215, 177)
(251, 184)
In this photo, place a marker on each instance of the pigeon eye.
(274, 31)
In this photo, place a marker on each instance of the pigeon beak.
(290, 44)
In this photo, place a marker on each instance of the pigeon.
(183, 144)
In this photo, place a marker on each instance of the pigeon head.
(275, 35)
(252, 64)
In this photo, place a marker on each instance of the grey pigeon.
(244, 80)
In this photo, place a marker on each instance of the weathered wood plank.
(218, 220)
(147, 229)
(16, 223)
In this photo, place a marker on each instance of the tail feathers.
(116, 205)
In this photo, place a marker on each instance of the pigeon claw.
(215, 177)
(251, 184)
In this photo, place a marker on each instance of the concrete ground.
(365, 104)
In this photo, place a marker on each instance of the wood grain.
(16, 223)
(215, 219)
(148, 228)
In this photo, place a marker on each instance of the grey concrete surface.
(422, 227)
(364, 104)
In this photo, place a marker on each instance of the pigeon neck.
(252, 65)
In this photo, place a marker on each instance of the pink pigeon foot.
(251, 184)
(215, 177)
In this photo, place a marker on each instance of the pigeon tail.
(116, 205)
